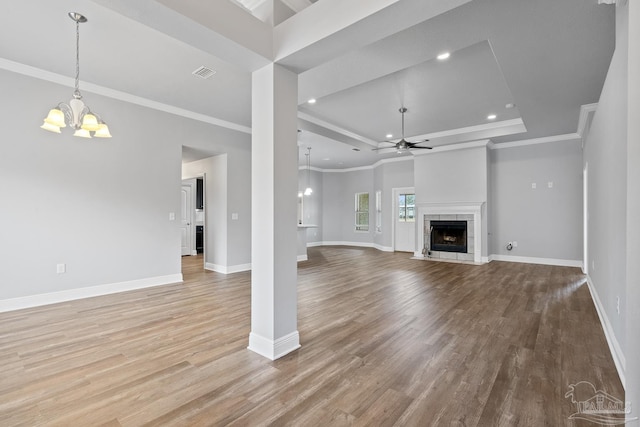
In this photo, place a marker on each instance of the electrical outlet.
(515, 244)
(61, 268)
(550, 184)
(618, 304)
(533, 185)
(593, 265)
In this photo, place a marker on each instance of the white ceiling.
(547, 57)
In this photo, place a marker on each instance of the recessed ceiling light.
(389, 135)
(510, 105)
(355, 149)
(491, 117)
(443, 56)
(312, 101)
(326, 158)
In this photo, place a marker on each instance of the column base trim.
(274, 349)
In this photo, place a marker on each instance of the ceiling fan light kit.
(403, 145)
(76, 114)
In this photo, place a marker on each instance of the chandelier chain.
(76, 93)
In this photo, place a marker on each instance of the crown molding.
(471, 129)
(534, 141)
(362, 168)
(585, 111)
(297, 5)
(454, 147)
(49, 76)
(338, 129)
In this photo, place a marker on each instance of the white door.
(186, 228)
(404, 219)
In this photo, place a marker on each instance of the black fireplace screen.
(448, 236)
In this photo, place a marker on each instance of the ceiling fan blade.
(395, 144)
(417, 146)
(417, 142)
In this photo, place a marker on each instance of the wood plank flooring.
(386, 340)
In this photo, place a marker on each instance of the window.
(378, 211)
(407, 208)
(362, 211)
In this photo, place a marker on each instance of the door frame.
(202, 176)
(395, 192)
(191, 209)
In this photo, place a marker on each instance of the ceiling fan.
(403, 144)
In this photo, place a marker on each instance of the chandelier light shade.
(76, 114)
(308, 190)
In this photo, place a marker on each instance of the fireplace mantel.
(454, 208)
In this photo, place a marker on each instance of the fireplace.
(448, 236)
(471, 214)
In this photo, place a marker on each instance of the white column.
(274, 192)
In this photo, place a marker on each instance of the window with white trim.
(362, 211)
(407, 208)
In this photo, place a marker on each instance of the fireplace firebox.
(448, 236)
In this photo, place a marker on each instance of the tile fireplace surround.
(464, 211)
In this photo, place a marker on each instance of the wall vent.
(204, 72)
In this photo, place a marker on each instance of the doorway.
(187, 218)
(404, 219)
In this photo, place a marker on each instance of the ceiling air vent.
(204, 72)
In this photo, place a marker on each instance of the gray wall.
(605, 155)
(338, 215)
(632, 296)
(99, 206)
(451, 176)
(546, 222)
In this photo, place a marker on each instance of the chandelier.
(76, 114)
(308, 190)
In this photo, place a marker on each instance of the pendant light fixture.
(76, 114)
(308, 190)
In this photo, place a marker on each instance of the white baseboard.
(342, 243)
(302, 258)
(383, 248)
(227, 270)
(88, 292)
(314, 244)
(614, 346)
(536, 260)
(274, 349)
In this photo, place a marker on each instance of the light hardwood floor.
(386, 340)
